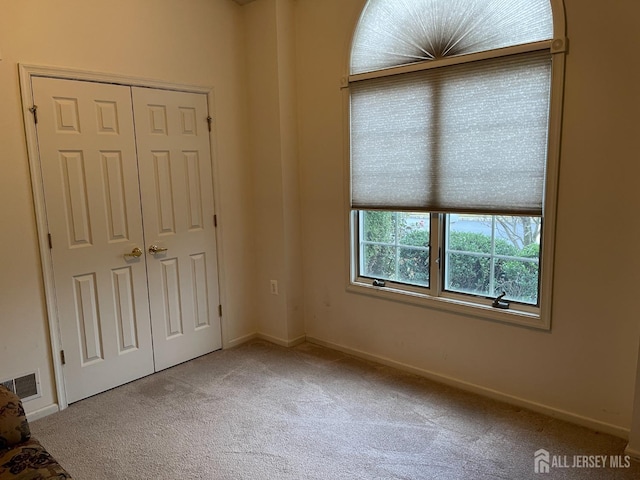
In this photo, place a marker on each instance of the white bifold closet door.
(176, 188)
(129, 201)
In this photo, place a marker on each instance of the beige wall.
(278, 171)
(274, 162)
(586, 364)
(158, 39)
(633, 448)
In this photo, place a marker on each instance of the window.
(395, 246)
(454, 131)
(488, 255)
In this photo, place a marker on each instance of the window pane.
(379, 262)
(488, 255)
(468, 274)
(413, 266)
(380, 226)
(395, 246)
(414, 229)
(413, 263)
(469, 233)
(519, 280)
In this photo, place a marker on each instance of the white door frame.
(26, 72)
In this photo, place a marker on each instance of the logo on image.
(541, 462)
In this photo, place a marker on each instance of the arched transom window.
(393, 33)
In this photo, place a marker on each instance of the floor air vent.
(26, 386)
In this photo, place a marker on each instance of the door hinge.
(220, 310)
(50, 241)
(215, 220)
(34, 110)
(62, 359)
(209, 120)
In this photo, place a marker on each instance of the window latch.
(500, 303)
(378, 283)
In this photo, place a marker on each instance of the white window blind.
(399, 32)
(464, 138)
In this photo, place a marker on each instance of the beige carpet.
(265, 412)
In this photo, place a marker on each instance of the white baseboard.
(591, 423)
(236, 342)
(268, 338)
(633, 453)
(281, 341)
(43, 412)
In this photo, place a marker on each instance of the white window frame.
(435, 297)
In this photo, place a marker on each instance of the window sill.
(485, 312)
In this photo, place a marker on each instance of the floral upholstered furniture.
(22, 457)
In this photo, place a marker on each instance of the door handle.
(153, 249)
(135, 253)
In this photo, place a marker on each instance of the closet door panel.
(177, 200)
(90, 178)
